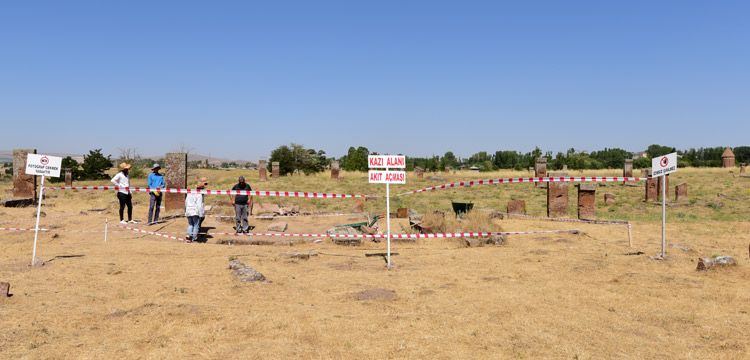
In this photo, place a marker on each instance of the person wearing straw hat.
(155, 181)
(194, 211)
(122, 181)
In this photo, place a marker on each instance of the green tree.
(295, 158)
(68, 163)
(658, 150)
(95, 165)
(355, 159)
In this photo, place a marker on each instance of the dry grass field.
(586, 296)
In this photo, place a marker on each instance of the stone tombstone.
(540, 168)
(651, 188)
(609, 198)
(335, 170)
(658, 187)
(419, 172)
(727, 158)
(557, 199)
(68, 177)
(517, 207)
(645, 173)
(565, 168)
(743, 168)
(681, 192)
(175, 175)
(586, 201)
(627, 169)
(262, 170)
(275, 171)
(24, 186)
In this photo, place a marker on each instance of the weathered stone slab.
(540, 168)
(68, 177)
(262, 170)
(743, 168)
(335, 170)
(18, 202)
(419, 172)
(587, 201)
(707, 263)
(557, 199)
(24, 186)
(4, 289)
(245, 273)
(681, 192)
(627, 170)
(278, 226)
(609, 198)
(516, 207)
(176, 177)
(651, 189)
(275, 170)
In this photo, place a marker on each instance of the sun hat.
(156, 166)
(125, 166)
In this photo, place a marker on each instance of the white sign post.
(661, 166)
(387, 177)
(43, 165)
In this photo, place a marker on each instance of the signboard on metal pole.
(387, 177)
(661, 166)
(43, 165)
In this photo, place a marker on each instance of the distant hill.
(7, 156)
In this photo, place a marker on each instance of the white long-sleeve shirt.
(122, 181)
(194, 205)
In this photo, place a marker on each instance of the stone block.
(557, 199)
(540, 168)
(335, 170)
(68, 177)
(651, 189)
(609, 198)
(419, 172)
(275, 170)
(681, 192)
(743, 168)
(278, 226)
(4, 289)
(517, 207)
(262, 170)
(627, 170)
(586, 201)
(24, 186)
(175, 176)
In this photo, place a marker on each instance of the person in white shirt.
(194, 211)
(122, 181)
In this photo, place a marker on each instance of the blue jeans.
(194, 226)
(153, 208)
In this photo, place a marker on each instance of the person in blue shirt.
(155, 181)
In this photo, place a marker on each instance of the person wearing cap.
(241, 206)
(155, 181)
(194, 211)
(122, 181)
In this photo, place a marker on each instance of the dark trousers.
(153, 208)
(125, 200)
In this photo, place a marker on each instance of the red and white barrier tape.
(585, 221)
(520, 180)
(297, 194)
(20, 229)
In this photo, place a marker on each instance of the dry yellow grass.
(552, 296)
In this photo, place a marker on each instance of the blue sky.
(237, 79)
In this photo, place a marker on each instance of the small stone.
(4, 289)
(706, 263)
(245, 273)
(497, 215)
(278, 226)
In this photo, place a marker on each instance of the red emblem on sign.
(44, 160)
(664, 161)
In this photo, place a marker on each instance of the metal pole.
(106, 228)
(663, 216)
(36, 228)
(630, 236)
(388, 220)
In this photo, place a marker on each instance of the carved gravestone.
(540, 168)
(335, 170)
(627, 169)
(262, 170)
(565, 168)
(557, 199)
(275, 171)
(609, 198)
(517, 207)
(681, 192)
(586, 201)
(176, 177)
(651, 188)
(68, 177)
(419, 172)
(727, 158)
(24, 186)
(743, 168)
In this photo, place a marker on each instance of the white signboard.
(386, 161)
(387, 177)
(45, 165)
(663, 165)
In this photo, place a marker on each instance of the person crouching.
(194, 211)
